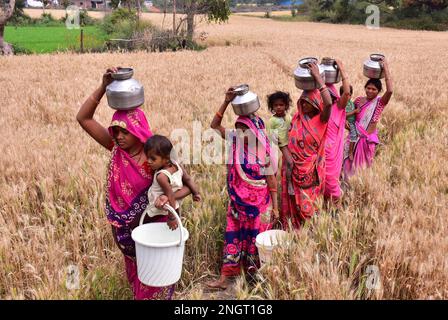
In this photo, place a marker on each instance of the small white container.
(266, 242)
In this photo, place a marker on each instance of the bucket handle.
(179, 222)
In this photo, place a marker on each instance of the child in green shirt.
(279, 124)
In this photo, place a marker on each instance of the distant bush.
(406, 17)
(127, 32)
(23, 20)
(47, 20)
(154, 40)
(84, 19)
(18, 50)
(412, 19)
(121, 14)
(121, 23)
(20, 20)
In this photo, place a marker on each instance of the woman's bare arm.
(217, 119)
(342, 103)
(325, 115)
(389, 84)
(87, 111)
(272, 185)
(326, 98)
(289, 162)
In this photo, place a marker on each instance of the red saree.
(307, 147)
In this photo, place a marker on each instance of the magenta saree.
(334, 147)
(126, 199)
(249, 208)
(366, 144)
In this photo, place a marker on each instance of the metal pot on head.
(302, 75)
(332, 74)
(125, 93)
(372, 68)
(245, 102)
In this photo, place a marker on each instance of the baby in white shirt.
(169, 177)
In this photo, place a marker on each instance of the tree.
(114, 4)
(18, 11)
(426, 4)
(214, 10)
(6, 11)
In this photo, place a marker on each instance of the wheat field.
(394, 215)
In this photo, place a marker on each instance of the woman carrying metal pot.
(303, 171)
(334, 143)
(129, 177)
(371, 106)
(252, 189)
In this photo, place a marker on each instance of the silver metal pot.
(125, 93)
(332, 74)
(372, 68)
(302, 76)
(246, 102)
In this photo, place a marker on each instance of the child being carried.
(169, 177)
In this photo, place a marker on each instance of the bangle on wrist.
(219, 114)
(272, 190)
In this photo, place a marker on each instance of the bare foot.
(218, 284)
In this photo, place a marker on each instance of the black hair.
(341, 90)
(376, 82)
(284, 96)
(160, 145)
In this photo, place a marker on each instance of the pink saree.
(334, 148)
(126, 199)
(249, 208)
(366, 144)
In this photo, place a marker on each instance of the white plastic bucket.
(267, 241)
(159, 251)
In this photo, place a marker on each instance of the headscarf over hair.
(246, 179)
(313, 97)
(258, 128)
(127, 181)
(307, 147)
(132, 120)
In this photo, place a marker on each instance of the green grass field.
(51, 39)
